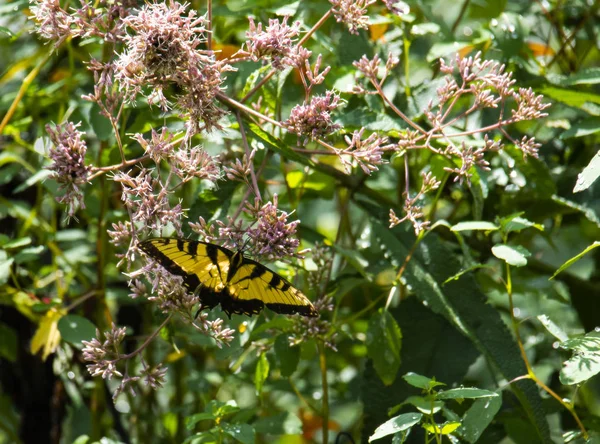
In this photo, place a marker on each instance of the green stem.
(325, 408)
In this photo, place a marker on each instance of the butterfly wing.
(254, 285)
(198, 263)
(209, 271)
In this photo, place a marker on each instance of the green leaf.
(384, 341)
(278, 145)
(29, 254)
(253, 78)
(262, 372)
(465, 393)
(474, 225)
(461, 302)
(17, 243)
(395, 425)
(554, 329)
(515, 223)
(425, 404)
(243, 433)
(515, 256)
(8, 343)
(589, 174)
(587, 76)
(282, 424)
(574, 259)
(420, 381)
(100, 124)
(191, 421)
(583, 128)
(74, 329)
(585, 362)
(32, 180)
(570, 96)
(5, 264)
(286, 355)
(478, 417)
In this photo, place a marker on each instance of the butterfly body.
(221, 276)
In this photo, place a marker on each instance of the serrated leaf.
(515, 256)
(574, 259)
(589, 174)
(384, 341)
(395, 425)
(461, 302)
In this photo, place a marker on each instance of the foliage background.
(459, 331)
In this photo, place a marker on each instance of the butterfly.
(222, 276)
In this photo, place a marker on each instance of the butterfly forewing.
(191, 260)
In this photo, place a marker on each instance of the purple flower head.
(313, 120)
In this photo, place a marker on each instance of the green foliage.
(453, 261)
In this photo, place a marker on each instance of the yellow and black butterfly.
(221, 276)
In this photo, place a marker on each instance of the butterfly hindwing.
(255, 281)
(219, 275)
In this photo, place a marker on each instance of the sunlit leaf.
(574, 259)
(589, 174)
(515, 256)
(395, 425)
(47, 335)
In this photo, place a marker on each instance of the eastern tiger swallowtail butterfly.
(221, 276)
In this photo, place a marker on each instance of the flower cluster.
(68, 164)
(186, 163)
(365, 153)
(274, 237)
(104, 357)
(318, 278)
(169, 293)
(276, 42)
(313, 120)
(352, 12)
(413, 212)
(163, 49)
(99, 20)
